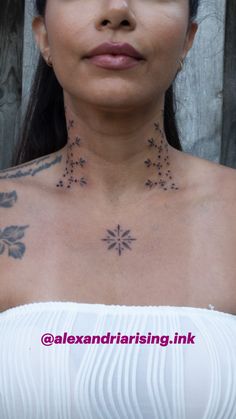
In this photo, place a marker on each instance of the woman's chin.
(125, 105)
(113, 99)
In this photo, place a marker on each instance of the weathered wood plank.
(11, 45)
(228, 151)
(199, 86)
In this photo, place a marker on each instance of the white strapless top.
(116, 380)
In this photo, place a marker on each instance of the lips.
(115, 49)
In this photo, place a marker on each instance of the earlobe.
(40, 34)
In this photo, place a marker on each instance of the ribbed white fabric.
(116, 381)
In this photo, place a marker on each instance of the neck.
(116, 157)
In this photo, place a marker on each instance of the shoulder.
(222, 181)
(211, 187)
(37, 172)
(31, 169)
(24, 187)
(215, 189)
(209, 176)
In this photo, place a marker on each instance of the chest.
(176, 255)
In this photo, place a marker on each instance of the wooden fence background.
(205, 89)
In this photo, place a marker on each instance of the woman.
(113, 228)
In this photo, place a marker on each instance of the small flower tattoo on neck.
(68, 174)
(162, 163)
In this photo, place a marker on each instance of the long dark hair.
(44, 130)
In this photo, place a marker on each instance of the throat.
(150, 169)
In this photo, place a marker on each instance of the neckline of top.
(109, 308)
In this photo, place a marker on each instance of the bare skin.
(117, 216)
(183, 253)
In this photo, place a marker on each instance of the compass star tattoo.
(164, 173)
(118, 239)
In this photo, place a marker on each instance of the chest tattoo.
(10, 236)
(118, 239)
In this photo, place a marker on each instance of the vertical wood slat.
(199, 86)
(228, 151)
(11, 46)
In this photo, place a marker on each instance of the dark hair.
(44, 128)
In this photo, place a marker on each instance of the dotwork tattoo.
(161, 160)
(8, 199)
(32, 171)
(164, 173)
(118, 239)
(9, 238)
(68, 174)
